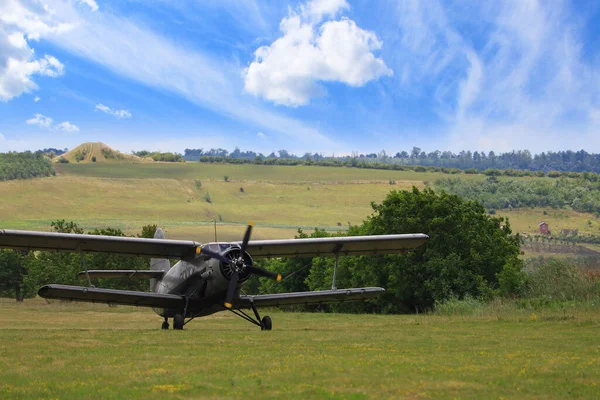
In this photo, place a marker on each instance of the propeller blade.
(213, 254)
(265, 273)
(231, 290)
(246, 237)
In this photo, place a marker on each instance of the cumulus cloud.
(67, 127)
(261, 135)
(113, 112)
(48, 123)
(21, 23)
(41, 121)
(36, 99)
(290, 70)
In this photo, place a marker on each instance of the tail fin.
(158, 264)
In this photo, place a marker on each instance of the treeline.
(580, 194)
(561, 161)
(25, 165)
(158, 156)
(52, 152)
(22, 273)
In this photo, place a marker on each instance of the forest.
(559, 161)
(25, 165)
(579, 194)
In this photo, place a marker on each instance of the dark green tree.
(12, 273)
(466, 250)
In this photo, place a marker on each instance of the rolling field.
(279, 199)
(69, 350)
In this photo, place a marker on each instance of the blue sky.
(329, 76)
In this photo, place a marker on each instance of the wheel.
(165, 325)
(266, 324)
(178, 322)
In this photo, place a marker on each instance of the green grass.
(279, 199)
(88, 351)
(248, 172)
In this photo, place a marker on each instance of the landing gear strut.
(265, 324)
(165, 325)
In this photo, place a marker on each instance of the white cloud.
(21, 23)
(91, 3)
(522, 85)
(289, 70)
(67, 127)
(137, 53)
(48, 123)
(113, 112)
(316, 10)
(36, 99)
(261, 135)
(41, 121)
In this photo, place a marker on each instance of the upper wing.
(112, 296)
(121, 273)
(304, 298)
(160, 248)
(330, 246)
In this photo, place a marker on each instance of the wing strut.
(336, 251)
(84, 264)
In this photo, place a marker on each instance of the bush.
(242, 190)
(93, 158)
(63, 160)
(226, 178)
(198, 184)
(207, 198)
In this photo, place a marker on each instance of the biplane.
(208, 277)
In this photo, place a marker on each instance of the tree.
(465, 252)
(12, 272)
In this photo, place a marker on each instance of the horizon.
(319, 76)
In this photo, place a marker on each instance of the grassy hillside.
(279, 199)
(88, 152)
(74, 351)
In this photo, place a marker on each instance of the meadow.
(279, 199)
(70, 350)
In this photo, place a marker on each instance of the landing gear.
(266, 324)
(165, 325)
(178, 321)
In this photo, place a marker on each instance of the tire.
(165, 325)
(178, 322)
(266, 324)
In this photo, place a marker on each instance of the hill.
(98, 152)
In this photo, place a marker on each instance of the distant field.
(279, 199)
(73, 351)
(248, 172)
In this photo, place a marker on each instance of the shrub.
(207, 198)
(420, 168)
(93, 158)
(554, 174)
(226, 178)
(455, 306)
(63, 160)
(471, 171)
(242, 190)
(392, 182)
(198, 184)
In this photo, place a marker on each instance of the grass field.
(279, 199)
(64, 350)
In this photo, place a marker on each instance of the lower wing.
(112, 296)
(305, 298)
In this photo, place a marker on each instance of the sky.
(326, 76)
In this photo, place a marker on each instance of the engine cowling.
(234, 254)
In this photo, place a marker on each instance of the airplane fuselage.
(197, 279)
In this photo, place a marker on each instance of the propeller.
(238, 266)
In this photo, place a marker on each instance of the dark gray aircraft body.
(207, 278)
